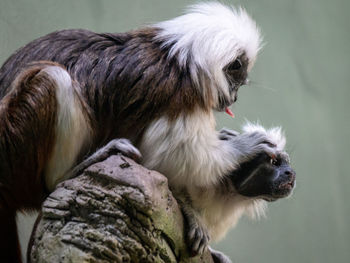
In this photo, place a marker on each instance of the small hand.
(226, 134)
(249, 145)
(219, 257)
(197, 237)
(115, 146)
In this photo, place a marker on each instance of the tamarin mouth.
(229, 112)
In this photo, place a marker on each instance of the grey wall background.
(301, 82)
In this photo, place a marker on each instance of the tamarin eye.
(235, 65)
(275, 161)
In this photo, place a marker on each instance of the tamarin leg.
(39, 118)
(9, 246)
(197, 235)
(27, 121)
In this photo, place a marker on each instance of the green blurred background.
(300, 81)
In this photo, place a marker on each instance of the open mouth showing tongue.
(229, 112)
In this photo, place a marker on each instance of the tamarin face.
(265, 177)
(217, 45)
(236, 73)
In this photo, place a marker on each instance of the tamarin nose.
(290, 174)
(246, 82)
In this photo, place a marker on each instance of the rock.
(116, 211)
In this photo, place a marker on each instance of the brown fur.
(27, 132)
(125, 78)
(125, 81)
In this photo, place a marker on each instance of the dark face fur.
(236, 74)
(264, 177)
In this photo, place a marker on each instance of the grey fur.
(248, 145)
(219, 257)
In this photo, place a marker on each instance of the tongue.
(229, 112)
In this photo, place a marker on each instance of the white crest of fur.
(275, 134)
(72, 129)
(210, 36)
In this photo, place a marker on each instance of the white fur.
(187, 150)
(72, 129)
(221, 212)
(275, 134)
(207, 38)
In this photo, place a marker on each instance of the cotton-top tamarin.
(69, 93)
(246, 190)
